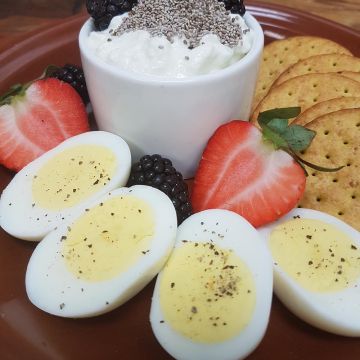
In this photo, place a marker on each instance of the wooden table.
(20, 16)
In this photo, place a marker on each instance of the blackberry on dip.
(166, 73)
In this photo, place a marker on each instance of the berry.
(36, 117)
(74, 76)
(235, 6)
(102, 11)
(158, 172)
(239, 171)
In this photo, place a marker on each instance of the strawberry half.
(251, 172)
(36, 117)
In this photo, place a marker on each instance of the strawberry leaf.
(298, 137)
(290, 138)
(279, 113)
(14, 90)
(274, 137)
(278, 125)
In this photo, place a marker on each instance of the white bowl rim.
(243, 63)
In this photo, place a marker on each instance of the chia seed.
(188, 19)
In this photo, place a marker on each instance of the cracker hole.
(281, 61)
(315, 99)
(348, 164)
(335, 180)
(334, 64)
(318, 199)
(264, 87)
(314, 85)
(271, 73)
(340, 213)
(327, 156)
(265, 59)
(313, 174)
(346, 91)
(326, 132)
(313, 46)
(353, 196)
(286, 48)
(290, 93)
(309, 69)
(358, 124)
(345, 142)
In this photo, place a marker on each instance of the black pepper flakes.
(61, 306)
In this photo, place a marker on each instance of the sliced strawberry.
(37, 119)
(239, 171)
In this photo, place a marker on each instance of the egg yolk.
(109, 238)
(317, 255)
(207, 293)
(72, 176)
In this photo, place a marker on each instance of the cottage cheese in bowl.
(166, 74)
(165, 43)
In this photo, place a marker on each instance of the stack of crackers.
(323, 78)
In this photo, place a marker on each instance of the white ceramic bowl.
(174, 118)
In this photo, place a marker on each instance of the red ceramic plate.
(28, 333)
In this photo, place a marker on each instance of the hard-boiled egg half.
(316, 261)
(103, 257)
(51, 188)
(212, 299)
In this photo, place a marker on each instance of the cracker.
(333, 63)
(307, 90)
(280, 54)
(337, 143)
(328, 106)
(351, 74)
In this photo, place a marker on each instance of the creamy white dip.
(139, 52)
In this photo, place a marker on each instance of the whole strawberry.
(36, 117)
(254, 173)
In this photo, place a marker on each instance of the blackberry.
(102, 11)
(72, 75)
(158, 172)
(235, 6)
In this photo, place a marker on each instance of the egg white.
(20, 218)
(229, 231)
(55, 290)
(337, 312)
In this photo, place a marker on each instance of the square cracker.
(325, 63)
(326, 107)
(280, 54)
(307, 90)
(337, 143)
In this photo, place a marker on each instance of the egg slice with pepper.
(316, 260)
(51, 188)
(107, 254)
(212, 299)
